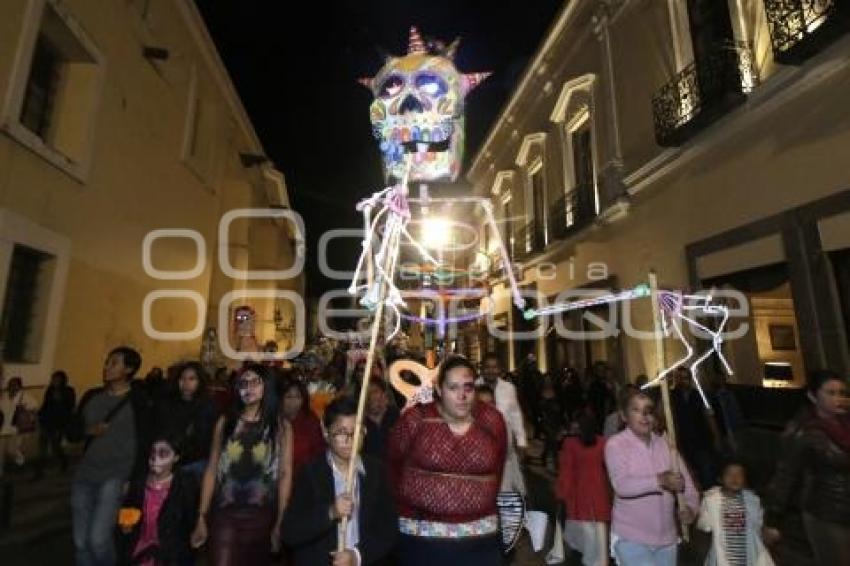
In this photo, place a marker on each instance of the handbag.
(511, 508)
(24, 419)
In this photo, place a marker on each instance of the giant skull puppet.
(418, 110)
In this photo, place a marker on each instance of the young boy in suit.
(320, 501)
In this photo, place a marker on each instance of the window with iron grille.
(581, 200)
(537, 234)
(507, 226)
(24, 306)
(41, 88)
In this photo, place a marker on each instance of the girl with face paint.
(248, 478)
(161, 462)
(165, 503)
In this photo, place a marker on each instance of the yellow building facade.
(705, 140)
(124, 145)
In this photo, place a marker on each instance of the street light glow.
(435, 232)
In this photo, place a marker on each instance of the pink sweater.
(643, 512)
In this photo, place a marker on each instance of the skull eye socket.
(391, 86)
(431, 84)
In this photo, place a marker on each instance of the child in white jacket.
(733, 515)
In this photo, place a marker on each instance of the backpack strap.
(114, 410)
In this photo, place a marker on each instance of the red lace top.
(440, 476)
(308, 442)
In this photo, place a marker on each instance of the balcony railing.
(528, 239)
(801, 28)
(571, 212)
(700, 94)
(565, 216)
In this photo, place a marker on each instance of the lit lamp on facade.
(778, 374)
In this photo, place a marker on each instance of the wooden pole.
(661, 363)
(389, 270)
(361, 404)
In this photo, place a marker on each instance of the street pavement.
(40, 529)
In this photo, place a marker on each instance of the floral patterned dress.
(248, 468)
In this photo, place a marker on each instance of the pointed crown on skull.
(418, 111)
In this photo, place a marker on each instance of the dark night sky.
(296, 74)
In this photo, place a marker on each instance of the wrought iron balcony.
(528, 240)
(700, 94)
(565, 216)
(801, 28)
(571, 212)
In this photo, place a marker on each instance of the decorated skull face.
(418, 111)
(243, 318)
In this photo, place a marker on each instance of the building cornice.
(584, 82)
(209, 53)
(500, 179)
(551, 38)
(529, 141)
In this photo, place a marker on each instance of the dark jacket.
(176, 521)
(813, 462)
(692, 426)
(57, 408)
(193, 420)
(308, 528)
(600, 397)
(375, 443)
(552, 417)
(142, 415)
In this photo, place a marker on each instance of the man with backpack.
(114, 420)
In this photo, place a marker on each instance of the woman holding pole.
(642, 467)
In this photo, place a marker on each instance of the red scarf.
(838, 430)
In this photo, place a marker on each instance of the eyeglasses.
(344, 435)
(250, 382)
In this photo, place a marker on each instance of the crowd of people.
(262, 470)
(625, 489)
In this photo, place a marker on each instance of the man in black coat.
(55, 414)
(319, 502)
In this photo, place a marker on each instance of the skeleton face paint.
(418, 110)
(162, 459)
